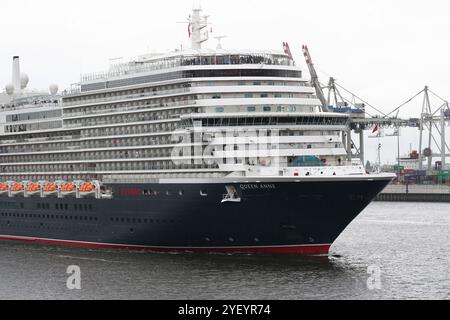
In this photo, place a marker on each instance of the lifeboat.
(4, 187)
(50, 188)
(87, 187)
(33, 187)
(17, 188)
(68, 187)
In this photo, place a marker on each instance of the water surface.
(407, 242)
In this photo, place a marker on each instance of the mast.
(16, 75)
(315, 79)
(197, 23)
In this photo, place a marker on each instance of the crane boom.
(315, 79)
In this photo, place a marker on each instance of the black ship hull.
(274, 216)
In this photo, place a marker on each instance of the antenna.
(197, 5)
(219, 41)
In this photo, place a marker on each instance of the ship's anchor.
(231, 195)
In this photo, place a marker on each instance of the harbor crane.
(315, 79)
(361, 120)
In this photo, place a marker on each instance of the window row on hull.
(128, 106)
(175, 88)
(103, 133)
(240, 60)
(30, 116)
(157, 151)
(55, 124)
(129, 118)
(268, 120)
(101, 168)
(191, 74)
(179, 103)
(115, 177)
(114, 142)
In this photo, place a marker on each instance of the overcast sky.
(385, 51)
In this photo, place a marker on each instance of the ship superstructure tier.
(129, 120)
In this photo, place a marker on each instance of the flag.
(376, 129)
(189, 30)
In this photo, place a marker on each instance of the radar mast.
(198, 27)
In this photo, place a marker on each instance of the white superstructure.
(194, 113)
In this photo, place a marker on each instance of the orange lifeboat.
(50, 187)
(69, 187)
(17, 187)
(87, 187)
(33, 187)
(4, 187)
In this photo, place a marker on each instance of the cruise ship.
(199, 150)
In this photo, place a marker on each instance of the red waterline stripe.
(294, 250)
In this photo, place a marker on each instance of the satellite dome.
(24, 79)
(9, 88)
(53, 89)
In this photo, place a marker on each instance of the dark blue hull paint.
(178, 216)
